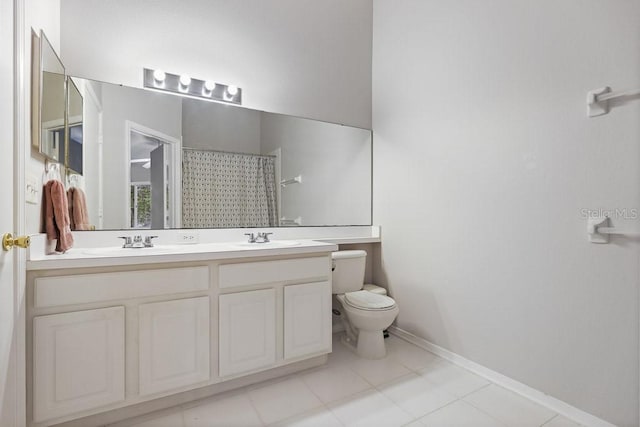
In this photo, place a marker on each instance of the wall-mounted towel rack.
(598, 100)
(294, 180)
(51, 171)
(599, 230)
(75, 180)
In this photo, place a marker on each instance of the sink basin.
(270, 245)
(120, 251)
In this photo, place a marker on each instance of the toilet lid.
(368, 300)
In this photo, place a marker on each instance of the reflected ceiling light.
(208, 88)
(184, 85)
(159, 76)
(147, 165)
(185, 80)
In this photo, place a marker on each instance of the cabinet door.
(78, 361)
(307, 319)
(174, 344)
(247, 331)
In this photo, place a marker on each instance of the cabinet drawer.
(263, 272)
(87, 288)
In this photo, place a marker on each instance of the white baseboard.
(530, 393)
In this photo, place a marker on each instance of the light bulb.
(232, 90)
(209, 85)
(159, 76)
(185, 80)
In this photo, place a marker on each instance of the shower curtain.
(229, 190)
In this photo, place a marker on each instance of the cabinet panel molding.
(247, 331)
(307, 319)
(78, 361)
(173, 344)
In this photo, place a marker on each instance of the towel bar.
(599, 230)
(598, 100)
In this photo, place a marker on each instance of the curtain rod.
(227, 152)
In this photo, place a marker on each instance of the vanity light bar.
(185, 85)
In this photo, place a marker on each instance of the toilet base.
(371, 345)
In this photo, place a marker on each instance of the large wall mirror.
(155, 160)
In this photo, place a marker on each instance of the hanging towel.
(56, 215)
(78, 215)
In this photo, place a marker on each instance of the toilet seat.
(365, 300)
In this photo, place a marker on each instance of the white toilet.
(367, 310)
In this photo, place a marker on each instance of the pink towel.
(78, 215)
(56, 215)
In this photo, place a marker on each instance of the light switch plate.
(32, 190)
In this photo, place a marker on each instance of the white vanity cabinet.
(247, 324)
(173, 344)
(87, 329)
(115, 337)
(78, 361)
(287, 317)
(307, 319)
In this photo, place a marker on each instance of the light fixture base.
(196, 88)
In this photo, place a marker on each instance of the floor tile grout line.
(489, 383)
(550, 419)
(480, 409)
(555, 414)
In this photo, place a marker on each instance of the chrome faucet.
(261, 237)
(137, 241)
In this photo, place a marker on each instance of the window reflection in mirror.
(75, 120)
(151, 187)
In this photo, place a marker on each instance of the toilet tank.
(348, 271)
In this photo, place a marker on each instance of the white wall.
(304, 58)
(153, 110)
(39, 15)
(484, 158)
(335, 165)
(213, 126)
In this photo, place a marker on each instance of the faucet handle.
(137, 242)
(127, 241)
(252, 237)
(147, 241)
(264, 236)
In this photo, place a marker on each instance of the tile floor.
(410, 387)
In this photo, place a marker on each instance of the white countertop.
(111, 257)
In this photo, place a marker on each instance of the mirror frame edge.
(36, 95)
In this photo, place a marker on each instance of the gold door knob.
(8, 241)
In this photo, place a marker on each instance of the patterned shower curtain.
(231, 190)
